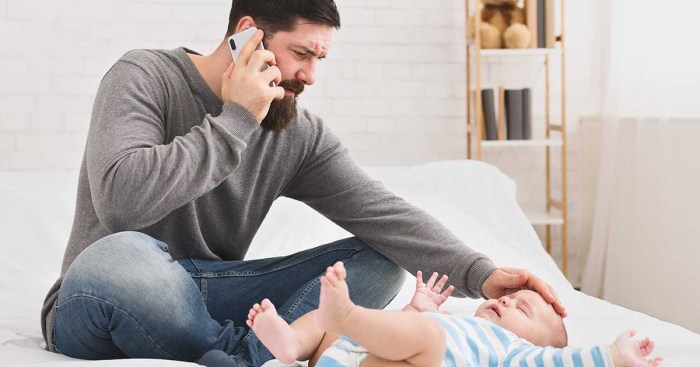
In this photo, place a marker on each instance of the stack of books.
(515, 110)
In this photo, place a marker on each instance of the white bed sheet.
(471, 198)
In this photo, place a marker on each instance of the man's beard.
(282, 111)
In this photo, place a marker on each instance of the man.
(185, 155)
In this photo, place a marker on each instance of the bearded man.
(185, 156)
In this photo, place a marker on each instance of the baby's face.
(524, 313)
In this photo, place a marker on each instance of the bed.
(475, 200)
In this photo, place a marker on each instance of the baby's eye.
(523, 311)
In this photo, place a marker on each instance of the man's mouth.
(292, 88)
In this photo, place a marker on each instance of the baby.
(513, 330)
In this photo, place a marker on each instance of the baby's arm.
(625, 352)
(598, 356)
(429, 297)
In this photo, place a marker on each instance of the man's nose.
(307, 73)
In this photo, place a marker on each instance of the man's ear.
(245, 23)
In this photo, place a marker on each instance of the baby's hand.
(628, 352)
(429, 297)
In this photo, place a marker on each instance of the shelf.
(521, 52)
(521, 143)
(526, 66)
(544, 218)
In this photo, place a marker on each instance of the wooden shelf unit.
(555, 133)
(521, 52)
(522, 143)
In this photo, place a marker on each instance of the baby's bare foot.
(274, 332)
(334, 303)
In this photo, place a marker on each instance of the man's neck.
(212, 66)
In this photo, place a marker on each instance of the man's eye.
(299, 54)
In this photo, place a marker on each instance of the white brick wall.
(390, 81)
(393, 87)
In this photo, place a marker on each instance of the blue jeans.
(126, 297)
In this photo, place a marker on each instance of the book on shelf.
(541, 24)
(518, 113)
(514, 114)
(513, 121)
(527, 114)
(489, 113)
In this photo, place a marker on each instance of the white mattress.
(473, 199)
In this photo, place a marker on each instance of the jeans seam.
(138, 326)
(194, 263)
(303, 294)
(198, 278)
(203, 289)
(269, 271)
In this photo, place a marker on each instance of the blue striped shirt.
(474, 341)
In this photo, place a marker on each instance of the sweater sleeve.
(330, 182)
(136, 177)
(522, 353)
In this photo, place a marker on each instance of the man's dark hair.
(281, 15)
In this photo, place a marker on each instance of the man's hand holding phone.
(244, 82)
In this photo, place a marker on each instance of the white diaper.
(342, 353)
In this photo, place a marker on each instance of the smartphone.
(238, 40)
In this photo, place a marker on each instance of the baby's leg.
(286, 342)
(406, 338)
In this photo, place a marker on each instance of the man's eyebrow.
(309, 51)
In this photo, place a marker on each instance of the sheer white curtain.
(645, 245)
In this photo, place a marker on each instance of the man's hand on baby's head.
(430, 296)
(504, 281)
(526, 314)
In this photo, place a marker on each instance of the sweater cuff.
(477, 274)
(238, 120)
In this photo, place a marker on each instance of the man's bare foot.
(334, 303)
(275, 333)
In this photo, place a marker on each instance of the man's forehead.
(317, 37)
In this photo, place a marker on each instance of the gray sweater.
(166, 157)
